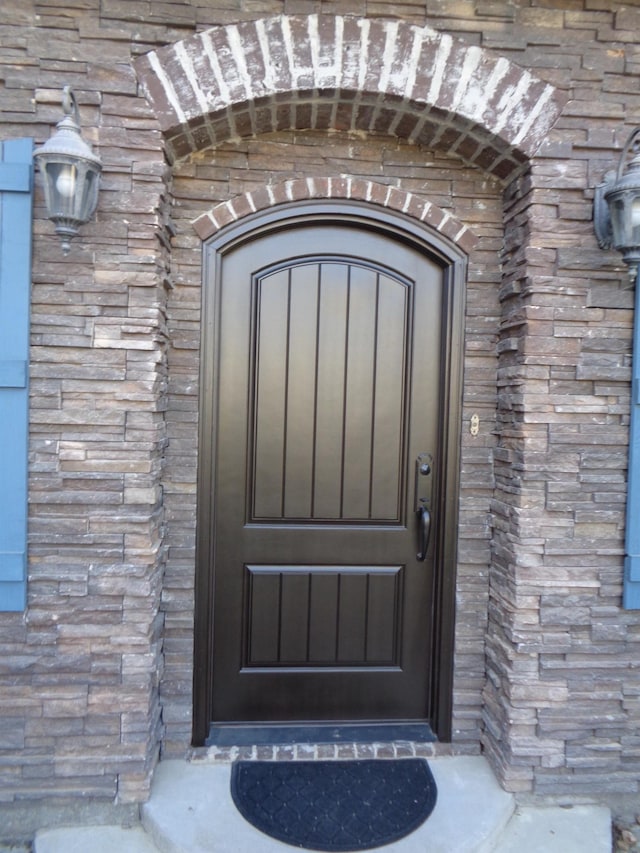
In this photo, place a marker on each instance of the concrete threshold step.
(191, 811)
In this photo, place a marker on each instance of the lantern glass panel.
(632, 202)
(62, 181)
(620, 222)
(89, 198)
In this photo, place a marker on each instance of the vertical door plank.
(301, 392)
(271, 395)
(352, 617)
(388, 415)
(332, 331)
(359, 392)
(382, 618)
(263, 607)
(294, 616)
(323, 618)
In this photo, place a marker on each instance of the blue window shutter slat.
(13, 596)
(15, 177)
(16, 199)
(13, 374)
(14, 566)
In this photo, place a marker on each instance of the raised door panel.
(329, 390)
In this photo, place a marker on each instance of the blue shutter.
(16, 194)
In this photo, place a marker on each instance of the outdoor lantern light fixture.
(71, 173)
(616, 213)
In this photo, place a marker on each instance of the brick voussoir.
(248, 42)
(534, 116)
(149, 71)
(270, 36)
(326, 49)
(355, 45)
(297, 42)
(461, 62)
(374, 39)
(234, 80)
(404, 61)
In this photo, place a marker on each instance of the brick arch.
(354, 189)
(348, 73)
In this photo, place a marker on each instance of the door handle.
(424, 462)
(424, 532)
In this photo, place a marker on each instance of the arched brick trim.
(347, 73)
(355, 189)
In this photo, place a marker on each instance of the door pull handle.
(424, 532)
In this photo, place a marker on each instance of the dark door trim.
(453, 262)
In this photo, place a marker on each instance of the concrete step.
(577, 829)
(191, 811)
(94, 839)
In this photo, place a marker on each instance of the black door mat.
(334, 805)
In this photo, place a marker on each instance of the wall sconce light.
(616, 207)
(71, 173)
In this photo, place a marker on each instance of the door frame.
(453, 261)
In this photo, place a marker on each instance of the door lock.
(424, 461)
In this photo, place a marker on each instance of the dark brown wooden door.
(327, 423)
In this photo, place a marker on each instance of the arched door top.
(329, 189)
(348, 73)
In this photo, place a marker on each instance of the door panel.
(330, 383)
(322, 616)
(328, 389)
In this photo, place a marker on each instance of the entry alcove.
(422, 191)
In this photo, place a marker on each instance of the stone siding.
(96, 676)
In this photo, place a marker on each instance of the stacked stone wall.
(80, 718)
(546, 661)
(556, 632)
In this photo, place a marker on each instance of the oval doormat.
(334, 805)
